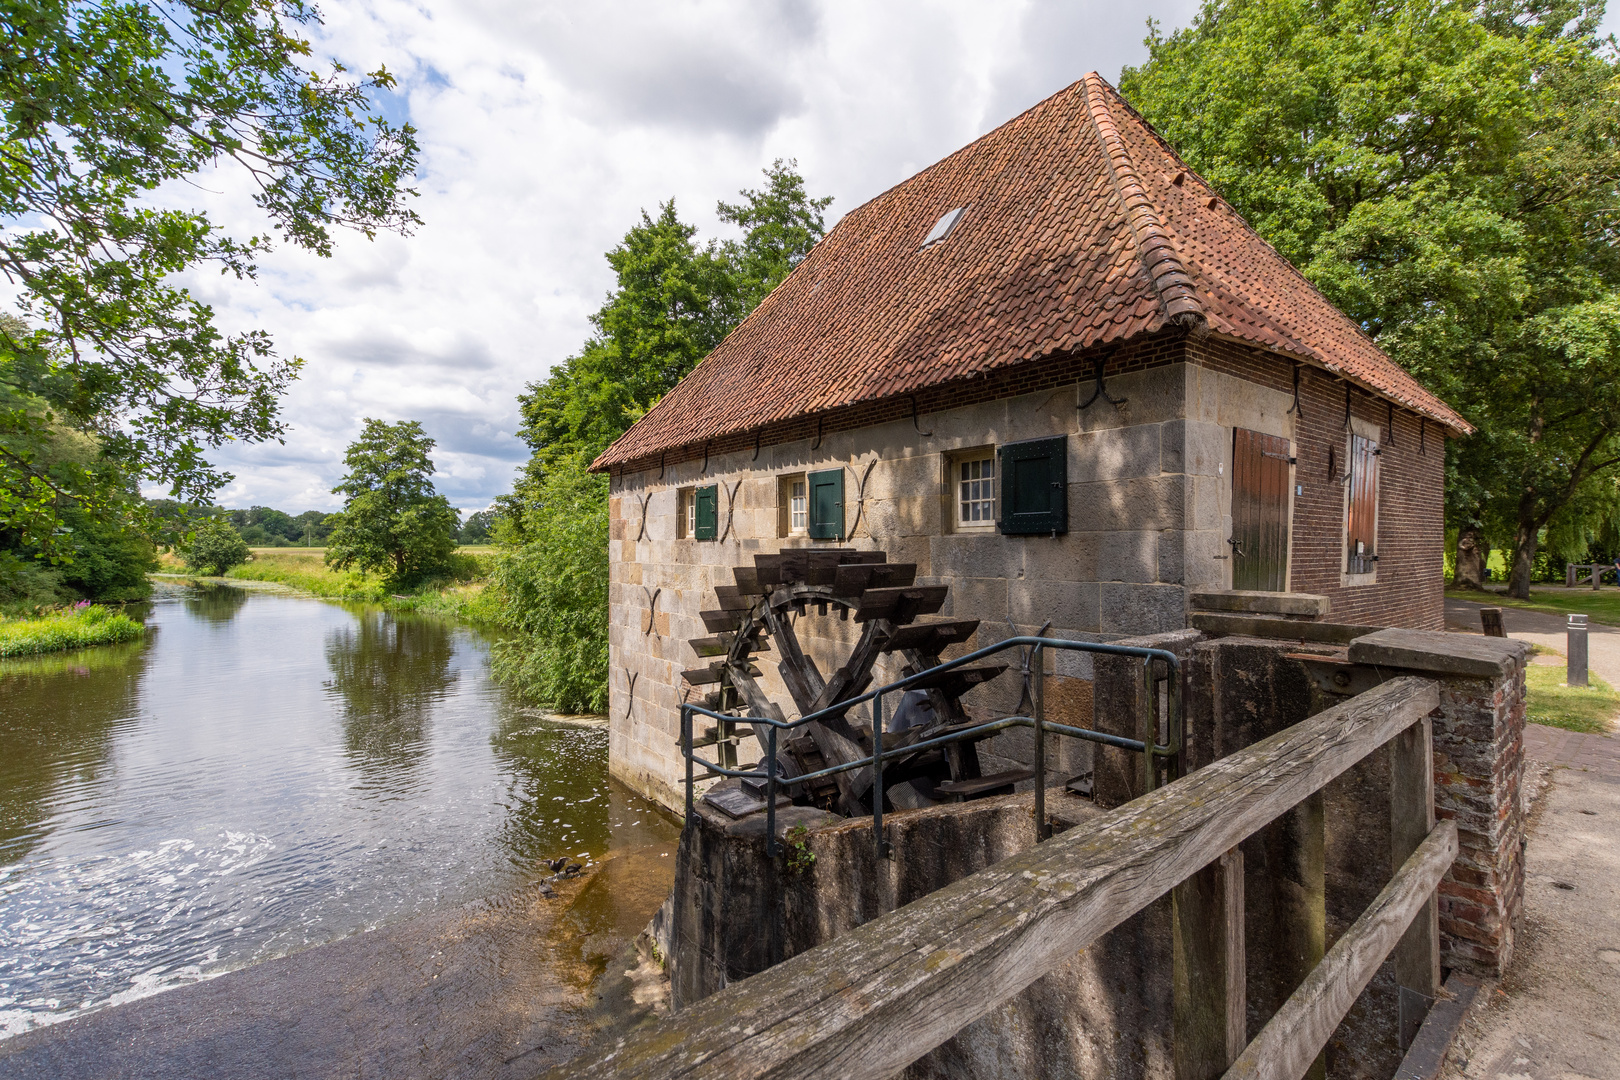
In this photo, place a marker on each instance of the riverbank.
(304, 570)
(69, 628)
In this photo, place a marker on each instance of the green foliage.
(393, 521)
(553, 590)
(107, 104)
(111, 554)
(479, 527)
(799, 856)
(674, 303)
(74, 628)
(216, 548)
(1447, 175)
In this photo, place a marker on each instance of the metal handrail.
(1149, 749)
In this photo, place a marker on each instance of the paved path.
(1556, 1014)
(1603, 642)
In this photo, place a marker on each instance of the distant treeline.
(264, 526)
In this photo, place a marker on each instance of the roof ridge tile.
(1158, 254)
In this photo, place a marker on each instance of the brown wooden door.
(1259, 511)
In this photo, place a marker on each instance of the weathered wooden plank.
(1210, 1005)
(803, 680)
(747, 578)
(901, 605)
(720, 644)
(1411, 819)
(716, 622)
(849, 680)
(958, 681)
(1263, 626)
(1287, 1046)
(731, 598)
(704, 676)
(967, 789)
(932, 636)
(852, 579)
(870, 1002)
(761, 705)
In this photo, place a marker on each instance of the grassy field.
(1600, 607)
(305, 570)
(69, 628)
(1588, 709)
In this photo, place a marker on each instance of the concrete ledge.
(1308, 605)
(1276, 628)
(1446, 654)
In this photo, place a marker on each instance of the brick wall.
(1411, 527)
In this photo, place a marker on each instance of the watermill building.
(1055, 380)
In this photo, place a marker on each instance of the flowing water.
(263, 773)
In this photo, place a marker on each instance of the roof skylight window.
(942, 228)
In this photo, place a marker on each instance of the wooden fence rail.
(872, 1001)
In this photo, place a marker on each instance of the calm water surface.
(263, 773)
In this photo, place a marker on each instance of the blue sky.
(546, 128)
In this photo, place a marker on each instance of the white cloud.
(546, 128)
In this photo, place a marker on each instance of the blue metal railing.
(1034, 674)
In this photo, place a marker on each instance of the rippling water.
(263, 773)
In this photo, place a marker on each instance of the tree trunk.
(1473, 553)
(1524, 560)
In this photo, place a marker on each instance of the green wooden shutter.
(708, 512)
(1034, 487)
(827, 505)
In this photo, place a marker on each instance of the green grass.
(1599, 607)
(305, 570)
(1587, 709)
(70, 628)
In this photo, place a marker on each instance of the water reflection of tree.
(390, 672)
(215, 603)
(57, 718)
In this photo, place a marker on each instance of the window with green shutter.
(827, 505)
(1035, 487)
(706, 515)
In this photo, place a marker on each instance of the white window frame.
(785, 525)
(957, 487)
(685, 513)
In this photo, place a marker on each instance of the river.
(263, 773)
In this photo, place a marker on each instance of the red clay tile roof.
(1077, 234)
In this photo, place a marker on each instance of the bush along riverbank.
(454, 593)
(71, 628)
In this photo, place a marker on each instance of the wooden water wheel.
(896, 616)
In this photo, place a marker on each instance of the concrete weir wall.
(1108, 1011)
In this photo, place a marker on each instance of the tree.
(392, 520)
(478, 527)
(1446, 174)
(107, 103)
(674, 303)
(215, 548)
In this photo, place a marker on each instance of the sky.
(546, 128)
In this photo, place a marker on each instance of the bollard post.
(1490, 620)
(1576, 651)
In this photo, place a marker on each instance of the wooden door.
(1260, 478)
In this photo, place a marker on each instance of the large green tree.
(393, 521)
(1447, 174)
(106, 104)
(675, 301)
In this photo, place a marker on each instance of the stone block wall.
(1149, 514)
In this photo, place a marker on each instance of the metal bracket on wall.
(644, 500)
(860, 496)
(1347, 405)
(1102, 389)
(819, 421)
(1391, 424)
(1423, 425)
(631, 704)
(1296, 408)
(661, 464)
(652, 607)
(757, 435)
(731, 506)
(705, 468)
(914, 423)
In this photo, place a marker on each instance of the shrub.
(216, 548)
